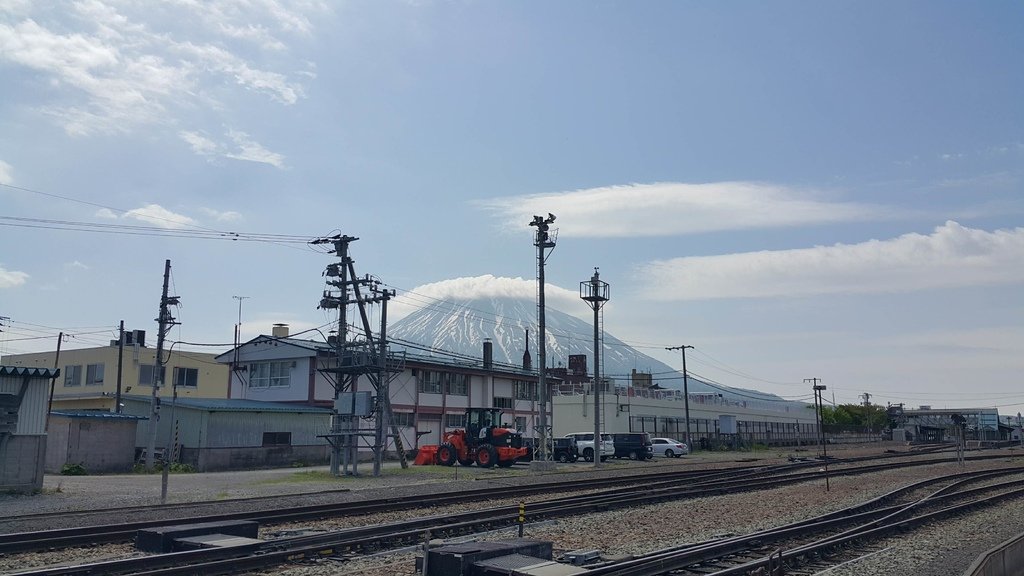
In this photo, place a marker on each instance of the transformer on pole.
(349, 359)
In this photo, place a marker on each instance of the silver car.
(669, 447)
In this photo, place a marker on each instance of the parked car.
(669, 447)
(633, 445)
(565, 450)
(585, 444)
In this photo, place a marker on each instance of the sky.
(798, 190)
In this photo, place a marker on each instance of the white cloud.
(157, 215)
(11, 278)
(242, 148)
(951, 256)
(106, 213)
(486, 286)
(5, 173)
(252, 151)
(76, 264)
(117, 66)
(228, 216)
(673, 208)
(200, 144)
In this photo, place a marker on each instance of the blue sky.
(828, 189)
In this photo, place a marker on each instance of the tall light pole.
(686, 393)
(595, 293)
(818, 389)
(544, 241)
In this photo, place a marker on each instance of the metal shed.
(98, 441)
(23, 398)
(231, 434)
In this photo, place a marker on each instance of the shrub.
(70, 469)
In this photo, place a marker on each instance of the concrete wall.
(99, 445)
(215, 459)
(21, 463)
(1007, 559)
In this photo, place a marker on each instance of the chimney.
(527, 361)
(279, 331)
(488, 354)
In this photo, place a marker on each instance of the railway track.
(810, 546)
(366, 539)
(674, 484)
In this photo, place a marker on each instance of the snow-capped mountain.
(461, 327)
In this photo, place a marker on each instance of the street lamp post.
(818, 405)
(544, 241)
(595, 293)
(686, 393)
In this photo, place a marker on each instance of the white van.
(585, 444)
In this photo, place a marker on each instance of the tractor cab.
(481, 424)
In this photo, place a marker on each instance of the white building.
(429, 395)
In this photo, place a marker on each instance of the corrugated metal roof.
(96, 414)
(238, 405)
(44, 373)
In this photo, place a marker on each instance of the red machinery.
(483, 441)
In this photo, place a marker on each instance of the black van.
(633, 445)
(565, 450)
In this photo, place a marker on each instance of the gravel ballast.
(943, 550)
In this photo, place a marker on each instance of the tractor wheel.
(446, 455)
(588, 454)
(505, 463)
(486, 456)
(466, 462)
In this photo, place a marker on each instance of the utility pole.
(595, 293)
(818, 389)
(53, 381)
(120, 368)
(686, 393)
(164, 323)
(383, 414)
(238, 326)
(544, 241)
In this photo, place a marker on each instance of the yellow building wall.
(211, 377)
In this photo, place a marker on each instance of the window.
(455, 420)
(500, 402)
(429, 382)
(147, 373)
(73, 375)
(524, 390)
(186, 377)
(270, 374)
(94, 375)
(277, 438)
(402, 419)
(456, 384)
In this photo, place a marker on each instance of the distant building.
(89, 375)
(714, 419)
(429, 395)
(927, 424)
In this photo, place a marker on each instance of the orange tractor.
(483, 441)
